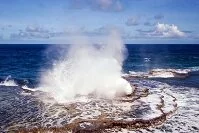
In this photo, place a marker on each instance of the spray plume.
(87, 69)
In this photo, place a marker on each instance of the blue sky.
(139, 21)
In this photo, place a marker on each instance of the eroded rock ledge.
(159, 73)
(143, 108)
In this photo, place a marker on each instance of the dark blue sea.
(24, 65)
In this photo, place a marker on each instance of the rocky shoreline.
(112, 115)
(159, 73)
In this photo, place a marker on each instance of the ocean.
(22, 65)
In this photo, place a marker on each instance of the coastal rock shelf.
(143, 108)
(159, 73)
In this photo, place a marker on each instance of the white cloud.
(160, 30)
(166, 30)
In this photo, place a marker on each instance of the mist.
(88, 69)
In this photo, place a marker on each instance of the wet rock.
(195, 128)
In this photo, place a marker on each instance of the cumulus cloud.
(102, 5)
(166, 30)
(133, 21)
(161, 30)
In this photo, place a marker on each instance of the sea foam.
(8, 82)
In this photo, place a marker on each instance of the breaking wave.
(160, 73)
(8, 82)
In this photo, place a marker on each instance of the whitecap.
(8, 82)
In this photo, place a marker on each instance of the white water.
(159, 73)
(8, 82)
(86, 69)
(25, 87)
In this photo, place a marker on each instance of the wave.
(196, 68)
(25, 87)
(147, 59)
(169, 73)
(22, 84)
(8, 82)
(160, 73)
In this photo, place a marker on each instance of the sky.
(138, 21)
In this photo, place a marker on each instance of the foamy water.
(50, 114)
(160, 73)
(8, 82)
(185, 119)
